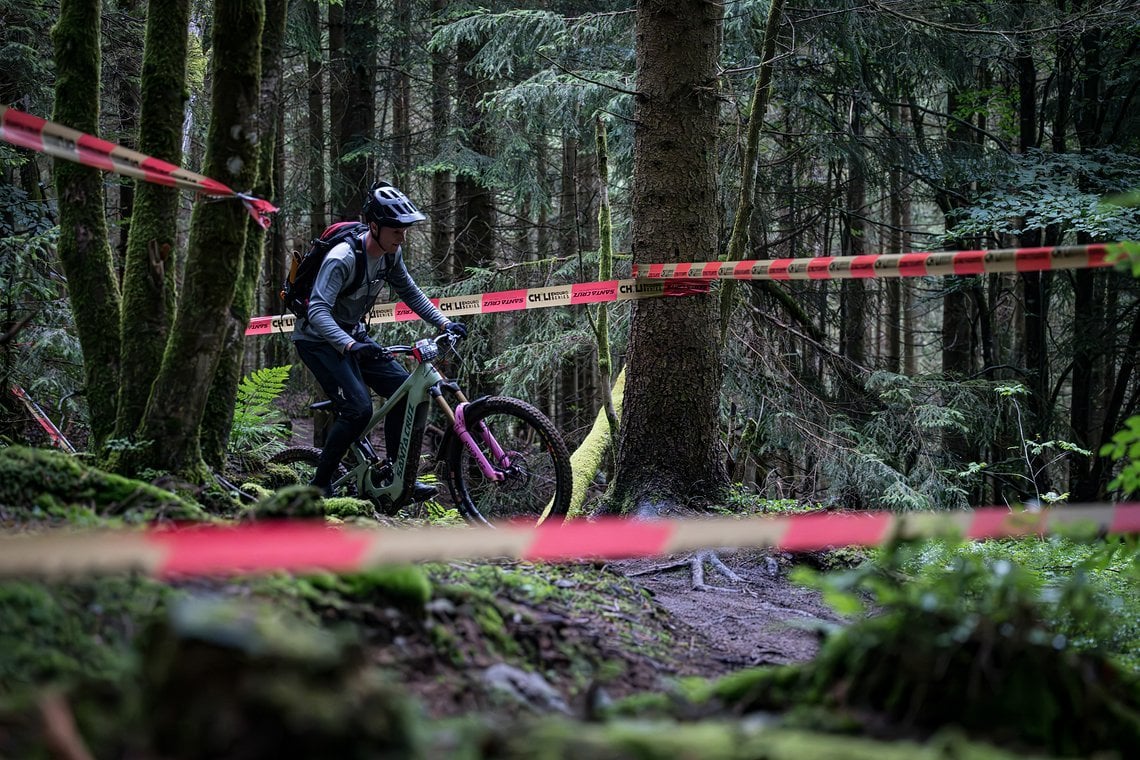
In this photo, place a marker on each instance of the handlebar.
(438, 340)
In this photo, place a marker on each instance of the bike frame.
(423, 383)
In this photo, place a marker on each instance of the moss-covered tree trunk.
(148, 278)
(83, 246)
(669, 443)
(742, 223)
(605, 272)
(215, 431)
(216, 254)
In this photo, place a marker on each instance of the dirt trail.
(764, 619)
(761, 619)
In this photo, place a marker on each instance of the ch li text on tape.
(509, 300)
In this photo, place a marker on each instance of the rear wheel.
(537, 476)
(302, 460)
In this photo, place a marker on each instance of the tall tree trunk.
(1036, 287)
(1097, 397)
(215, 429)
(216, 254)
(854, 291)
(669, 443)
(315, 124)
(440, 180)
(605, 272)
(742, 222)
(957, 353)
(126, 87)
(893, 336)
(353, 103)
(909, 318)
(402, 94)
(474, 209)
(83, 245)
(148, 280)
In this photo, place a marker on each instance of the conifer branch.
(576, 75)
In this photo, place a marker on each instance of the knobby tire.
(539, 478)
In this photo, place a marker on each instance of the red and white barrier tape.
(56, 140)
(923, 264)
(299, 546)
(509, 300)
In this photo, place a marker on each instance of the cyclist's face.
(391, 238)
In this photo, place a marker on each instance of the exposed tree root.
(696, 563)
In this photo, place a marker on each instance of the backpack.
(303, 268)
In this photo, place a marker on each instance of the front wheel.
(536, 467)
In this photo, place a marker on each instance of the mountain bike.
(501, 458)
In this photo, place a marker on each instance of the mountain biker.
(333, 340)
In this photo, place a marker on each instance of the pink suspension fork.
(490, 471)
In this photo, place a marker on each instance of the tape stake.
(57, 438)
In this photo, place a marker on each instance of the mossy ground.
(322, 654)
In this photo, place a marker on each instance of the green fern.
(258, 429)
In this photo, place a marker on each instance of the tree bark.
(742, 223)
(315, 123)
(474, 207)
(83, 244)
(215, 430)
(353, 104)
(957, 351)
(669, 443)
(402, 95)
(853, 298)
(440, 213)
(148, 280)
(216, 250)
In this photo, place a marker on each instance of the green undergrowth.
(1086, 591)
(226, 678)
(985, 637)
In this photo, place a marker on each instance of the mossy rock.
(289, 502)
(45, 484)
(66, 632)
(234, 681)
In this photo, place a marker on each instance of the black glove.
(367, 349)
(455, 329)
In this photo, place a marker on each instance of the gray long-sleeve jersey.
(337, 317)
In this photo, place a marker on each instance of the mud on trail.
(760, 619)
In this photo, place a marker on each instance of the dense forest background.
(871, 127)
